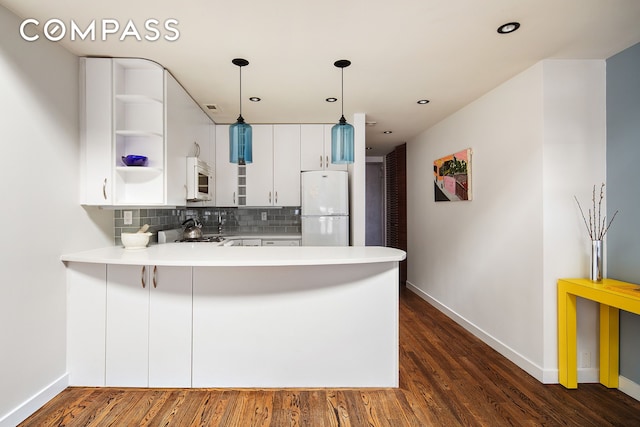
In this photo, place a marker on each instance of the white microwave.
(199, 180)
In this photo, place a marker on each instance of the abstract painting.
(452, 177)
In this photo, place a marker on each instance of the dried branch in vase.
(597, 225)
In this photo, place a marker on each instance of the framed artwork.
(452, 177)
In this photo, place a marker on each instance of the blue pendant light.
(240, 148)
(342, 133)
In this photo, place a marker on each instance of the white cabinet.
(273, 179)
(122, 113)
(86, 317)
(205, 149)
(260, 172)
(281, 242)
(226, 172)
(135, 106)
(286, 165)
(148, 326)
(180, 138)
(315, 148)
(188, 130)
(96, 133)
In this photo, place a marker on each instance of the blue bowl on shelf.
(135, 160)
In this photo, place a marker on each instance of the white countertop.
(208, 254)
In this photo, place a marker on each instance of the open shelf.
(124, 132)
(137, 99)
(138, 170)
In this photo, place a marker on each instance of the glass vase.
(597, 258)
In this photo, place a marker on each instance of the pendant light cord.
(342, 91)
(240, 91)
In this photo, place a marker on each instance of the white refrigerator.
(325, 208)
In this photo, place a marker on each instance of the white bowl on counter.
(135, 241)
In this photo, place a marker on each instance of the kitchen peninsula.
(202, 315)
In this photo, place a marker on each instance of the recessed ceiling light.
(254, 99)
(423, 101)
(509, 27)
(331, 99)
(387, 131)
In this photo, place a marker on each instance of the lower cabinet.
(129, 325)
(86, 323)
(148, 328)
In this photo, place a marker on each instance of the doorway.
(374, 201)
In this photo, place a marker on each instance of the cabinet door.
(260, 172)
(312, 147)
(86, 316)
(148, 326)
(180, 138)
(204, 147)
(286, 165)
(170, 326)
(226, 172)
(96, 131)
(127, 338)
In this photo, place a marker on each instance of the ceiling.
(448, 52)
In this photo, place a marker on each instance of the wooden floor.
(447, 378)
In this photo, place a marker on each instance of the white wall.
(357, 183)
(39, 151)
(484, 262)
(574, 160)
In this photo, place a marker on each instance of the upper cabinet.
(273, 179)
(286, 165)
(134, 106)
(259, 174)
(315, 148)
(188, 134)
(226, 172)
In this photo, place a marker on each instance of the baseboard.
(544, 376)
(628, 387)
(34, 403)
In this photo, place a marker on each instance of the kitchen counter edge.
(208, 255)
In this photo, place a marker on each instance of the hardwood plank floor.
(447, 378)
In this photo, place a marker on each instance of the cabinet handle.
(155, 276)
(144, 269)
(234, 197)
(269, 196)
(276, 197)
(326, 164)
(321, 161)
(104, 189)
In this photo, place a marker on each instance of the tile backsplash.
(214, 220)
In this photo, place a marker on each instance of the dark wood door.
(396, 173)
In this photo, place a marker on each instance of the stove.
(216, 239)
(175, 235)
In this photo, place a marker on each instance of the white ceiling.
(447, 51)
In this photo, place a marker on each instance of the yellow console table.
(613, 296)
